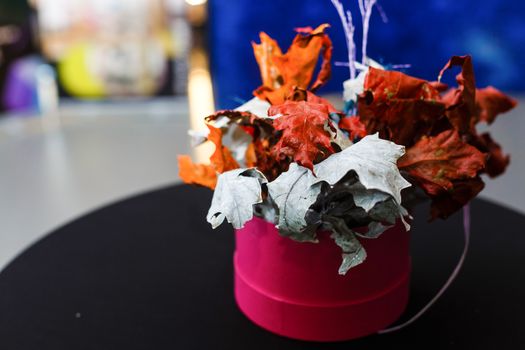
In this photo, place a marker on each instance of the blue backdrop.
(421, 33)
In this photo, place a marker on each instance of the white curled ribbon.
(452, 277)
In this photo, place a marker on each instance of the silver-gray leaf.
(362, 197)
(236, 193)
(353, 252)
(375, 229)
(375, 162)
(293, 193)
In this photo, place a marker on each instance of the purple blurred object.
(20, 90)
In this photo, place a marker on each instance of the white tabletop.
(100, 152)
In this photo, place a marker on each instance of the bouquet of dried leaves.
(292, 158)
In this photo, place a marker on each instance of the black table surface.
(149, 273)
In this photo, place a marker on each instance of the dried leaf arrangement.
(292, 158)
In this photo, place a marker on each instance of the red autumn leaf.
(391, 85)
(460, 102)
(304, 137)
(308, 96)
(497, 161)
(197, 174)
(436, 162)
(313, 98)
(266, 159)
(353, 126)
(439, 86)
(490, 102)
(466, 106)
(462, 192)
(400, 107)
(282, 72)
(221, 159)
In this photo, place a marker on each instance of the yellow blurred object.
(76, 76)
(166, 40)
(108, 48)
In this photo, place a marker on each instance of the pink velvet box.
(294, 289)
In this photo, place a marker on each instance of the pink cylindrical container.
(294, 289)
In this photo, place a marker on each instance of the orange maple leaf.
(221, 159)
(280, 72)
(203, 174)
(197, 174)
(264, 54)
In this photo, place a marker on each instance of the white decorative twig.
(365, 6)
(382, 13)
(348, 27)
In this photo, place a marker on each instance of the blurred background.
(96, 96)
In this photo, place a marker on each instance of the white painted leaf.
(368, 199)
(234, 137)
(255, 106)
(404, 214)
(375, 162)
(363, 197)
(236, 193)
(237, 141)
(265, 210)
(369, 63)
(338, 136)
(293, 193)
(354, 87)
(220, 122)
(198, 136)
